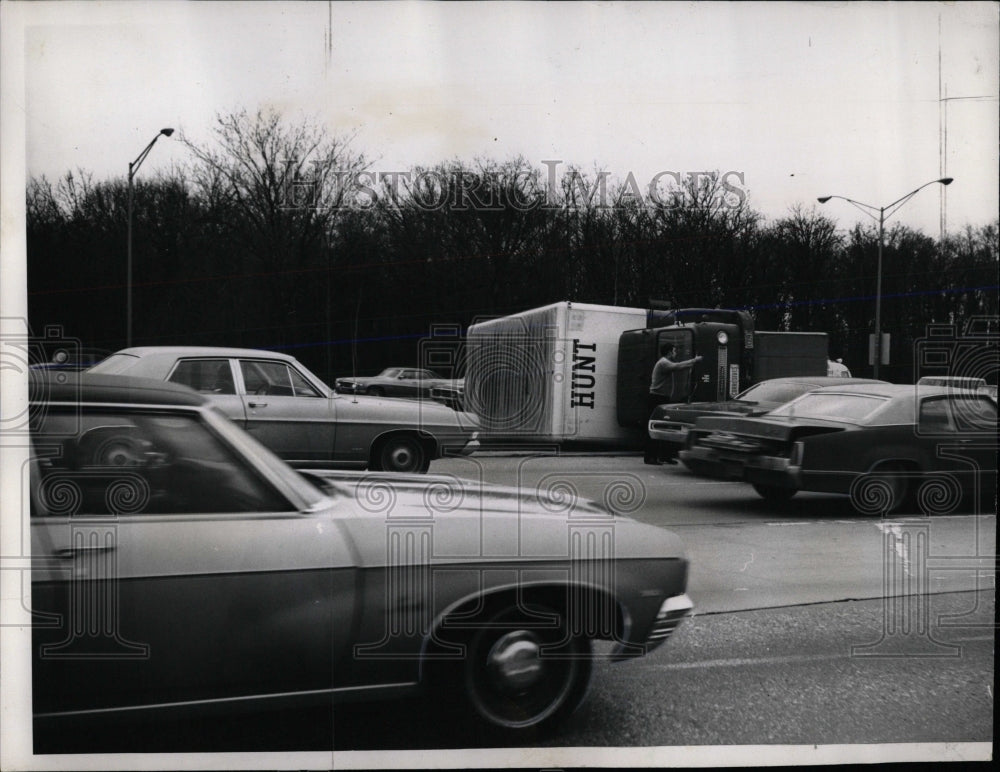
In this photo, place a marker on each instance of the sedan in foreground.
(199, 573)
(886, 446)
(669, 424)
(275, 398)
(392, 382)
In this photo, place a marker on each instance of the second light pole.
(133, 167)
(884, 213)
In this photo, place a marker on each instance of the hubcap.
(120, 455)
(513, 662)
(401, 458)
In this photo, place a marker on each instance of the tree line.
(282, 236)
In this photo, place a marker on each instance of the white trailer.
(549, 374)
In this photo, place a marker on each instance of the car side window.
(300, 386)
(209, 376)
(935, 416)
(127, 463)
(974, 414)
(266, 378)
(276, 379)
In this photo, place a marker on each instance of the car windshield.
(844, 407)
(769, 391)
(114, 364)
(390, 372)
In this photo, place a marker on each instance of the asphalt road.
(814, 628)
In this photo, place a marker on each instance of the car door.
(285, 412)
(215, 378)
(959, 432)
(184, 576)
(400, 385)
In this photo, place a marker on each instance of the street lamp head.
(947, 180)
(824, 199)
(168, 132)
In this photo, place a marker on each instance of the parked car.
(879, 444)
(178, 566)
(837, 369)
(450, 393)
(275, 398)
(392, 382)
(669, 424)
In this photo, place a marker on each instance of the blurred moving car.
(180, 567)
(669, 424)
(392, 382)
(275, 398)
(882, 445)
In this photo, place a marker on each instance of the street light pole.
(884, 213)
(133, 167)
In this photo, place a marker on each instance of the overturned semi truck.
(577, 373)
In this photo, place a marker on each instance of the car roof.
(886, 389)
(827, 379)
(203, 351)
(86, 387)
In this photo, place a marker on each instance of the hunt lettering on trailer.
(582, 386)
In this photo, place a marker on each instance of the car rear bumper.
(764, 470)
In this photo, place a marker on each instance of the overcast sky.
(802, 99)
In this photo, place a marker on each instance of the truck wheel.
(521, 676)
(401, 454)
(774, 493)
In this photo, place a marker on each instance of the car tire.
(523, 674)
(774, 493)
(376, 391)
(119, 452)
(402, 454)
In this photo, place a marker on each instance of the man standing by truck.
(668, 384)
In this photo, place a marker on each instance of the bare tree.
(275, 189)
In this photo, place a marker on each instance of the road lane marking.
(743, 662)
(895, 531)
(787, 660)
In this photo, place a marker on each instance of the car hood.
(467, 521)
(771, 427)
